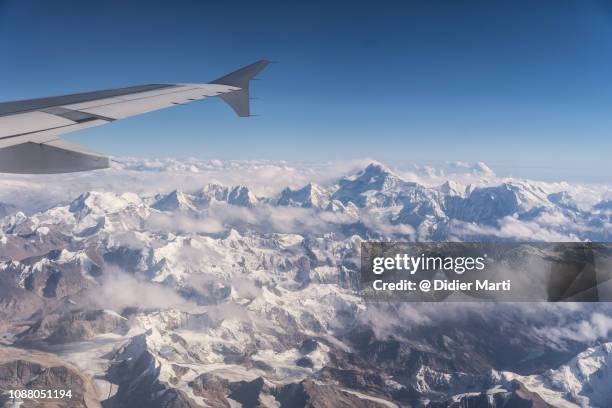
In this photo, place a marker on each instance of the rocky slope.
(22, 369)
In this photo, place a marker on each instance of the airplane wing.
(30, 129)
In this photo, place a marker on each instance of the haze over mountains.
(186, 284)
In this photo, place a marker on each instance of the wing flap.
(55, 156)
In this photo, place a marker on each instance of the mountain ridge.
(226, 297)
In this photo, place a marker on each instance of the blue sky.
(524, 86)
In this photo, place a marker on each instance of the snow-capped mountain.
(309, 196)
(212, 295)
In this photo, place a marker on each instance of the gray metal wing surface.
(30, 129)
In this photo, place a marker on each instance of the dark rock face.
(241, 196)
(367, 381)
(15, 302)
(126, 258)
(49, 280)
(519, 397)
(484, 205)
(309, 394)
(310, 196)
(173, 398)
(74, 326)
(604, 205)
(135, 373)
(563, 199)
(304, 362)
(248, 393)
(21, 246)
(212, 389)
(308, 346)
(463, 347)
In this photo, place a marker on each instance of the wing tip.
(239, 100)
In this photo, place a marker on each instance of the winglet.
(239, 100)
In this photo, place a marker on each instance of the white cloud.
(152, 176)
(179, 222)
(119, 289)
(513, 228)
(596, 327)
(262, 218)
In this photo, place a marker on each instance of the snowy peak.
(375, 176)
(180, 201)
(348, 209)
(367, 203)
(452, 188)
(173, 201)
(420, 205)
(487, 205)
(587, 377)
(211, 192)
(374, 186)
(242, 196)
(309, 196)
(98, 203)
(604, 206)
(563, 199)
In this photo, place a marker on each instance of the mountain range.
(217, 295)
